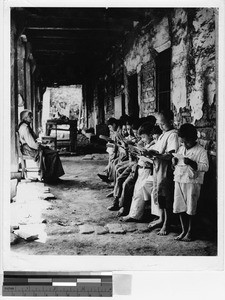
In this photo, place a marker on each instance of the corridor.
(132, 62)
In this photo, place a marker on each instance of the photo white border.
(12, 261)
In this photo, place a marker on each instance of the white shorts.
(186, 196)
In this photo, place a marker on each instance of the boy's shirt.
(142, 162)
(184, 173)
(167, 141)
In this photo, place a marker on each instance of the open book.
(110, 145)
(178, 155)
(145, 159)
(104, 137)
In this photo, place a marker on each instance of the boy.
(191, 163)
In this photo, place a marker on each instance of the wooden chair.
(22, 157)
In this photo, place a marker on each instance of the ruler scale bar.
(69, 284)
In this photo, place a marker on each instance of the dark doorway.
(101, 110)
(133, 107)
(163, 67)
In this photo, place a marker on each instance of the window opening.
(163, 67)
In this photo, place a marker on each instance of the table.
(53, 125)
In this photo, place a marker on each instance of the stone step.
(86, 229)
(115, 228)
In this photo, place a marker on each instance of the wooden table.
(53, 125)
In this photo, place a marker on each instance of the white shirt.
(141, 161)
(167, 141)
(26, 137)
(184, 173)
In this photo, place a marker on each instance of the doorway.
(101, 109)
(133, 106)
(163, 67)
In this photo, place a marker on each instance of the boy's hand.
(174, 161)
(190, 163)
(144, 152)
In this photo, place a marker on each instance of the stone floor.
(77, 222)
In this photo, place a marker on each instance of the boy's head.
(151, 119)
(165, 120)
(156, 132)
(145, 132)
(124, 129)
(112, 124)
(135, 126)
(129, 129)
(188, 135)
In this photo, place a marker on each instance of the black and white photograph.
(112, 141)
(112, 117)
(114, 131)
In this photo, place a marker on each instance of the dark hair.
(112, 121)
(130, 121)
(156, 130)
(188, 131)
(142, 120)
(136, 124)
(167, 114)
(145, 128)
(124, 118)
(151, 119)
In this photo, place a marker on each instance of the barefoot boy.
(191, 163)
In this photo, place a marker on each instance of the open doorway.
(133, 106)
(163, 67)
(61, 107)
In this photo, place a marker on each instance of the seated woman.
(50, 166)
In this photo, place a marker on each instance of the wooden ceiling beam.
(116, 28)
(78, 22)
(42, 38)
(72, 44)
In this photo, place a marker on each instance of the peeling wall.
(161, 37)
(141, 59)
(109, 98)
(148, 89)
(138, 55)
(191, 35)
(179, 59)
(193, 90)
(203, 88)
(20, 63)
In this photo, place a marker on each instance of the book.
(145, 159)
(178, 155)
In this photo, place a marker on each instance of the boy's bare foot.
(104, 178)
(163, 231)
(109, 195)
(180, 236)
(121, 212)
(187, 238)
(155, 224)
(127, 219)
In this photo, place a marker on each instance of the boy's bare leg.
(181, 236)
(157, 223)
(164, 229)
(188, 236)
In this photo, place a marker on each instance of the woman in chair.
(50, 166)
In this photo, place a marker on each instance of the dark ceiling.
(69, 43)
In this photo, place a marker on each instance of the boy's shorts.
(186, 196)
